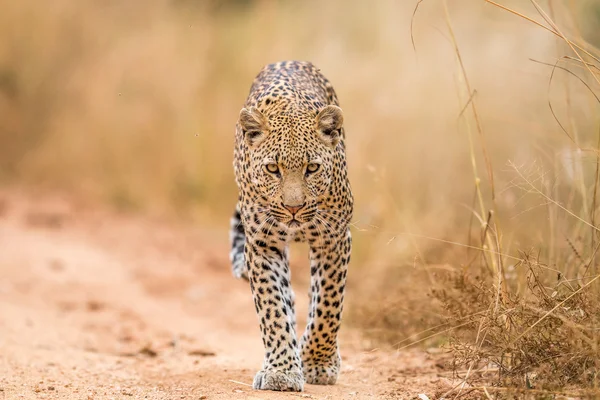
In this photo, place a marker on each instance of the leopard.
(290, 168)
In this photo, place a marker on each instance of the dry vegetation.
(476, 222)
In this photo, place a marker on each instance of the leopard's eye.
(312, 168)
(272, 168)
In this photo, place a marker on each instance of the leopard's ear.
(329, 123)
(254, 126)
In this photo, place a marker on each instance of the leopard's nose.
(293, 209)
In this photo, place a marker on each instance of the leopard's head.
(291, 158)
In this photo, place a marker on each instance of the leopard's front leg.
(319, 345)
(269, 277)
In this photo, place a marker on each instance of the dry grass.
(476, 220)
(530, 326)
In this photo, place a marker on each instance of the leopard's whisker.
(258, 229)
(339, 225)
(336, 218)
(319, 231)
(325, 223)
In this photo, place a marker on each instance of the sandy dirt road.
(96, 305)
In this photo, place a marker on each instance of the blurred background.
(133, 104)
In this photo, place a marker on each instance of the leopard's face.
(291, 162)
(292, 182)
